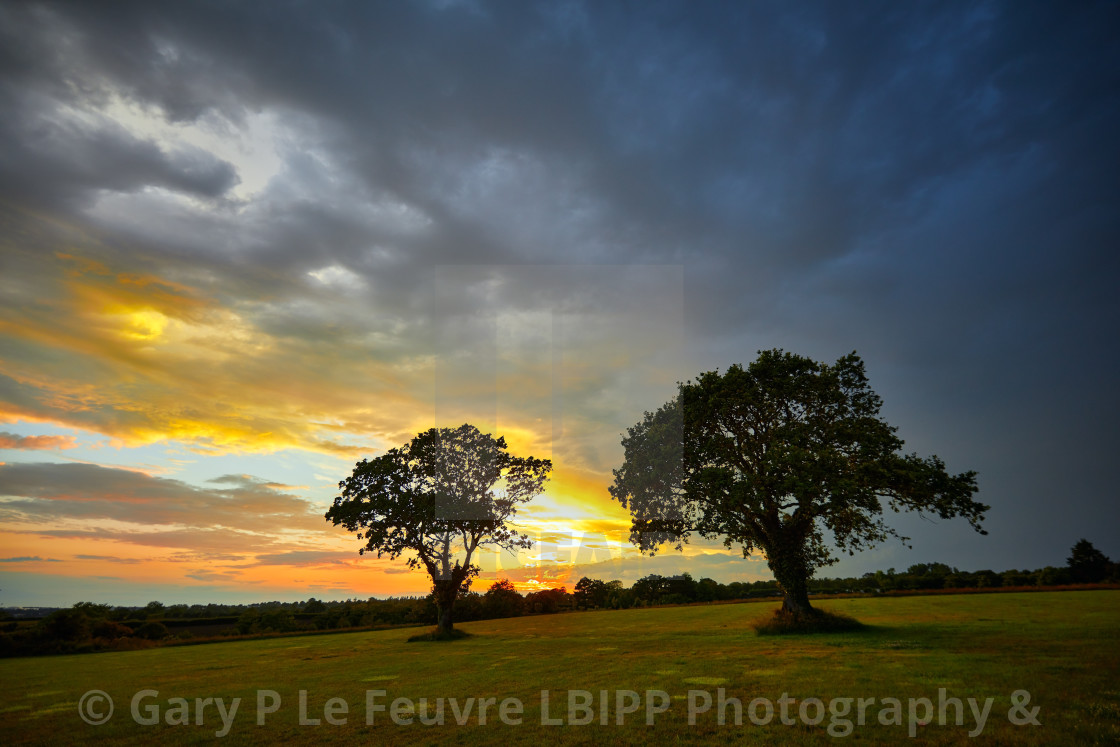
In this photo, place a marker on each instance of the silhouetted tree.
(502, 600)
(648, 589)
(707, 590)
(93, 611)
(926, 576)
(679, 589)
(1017, 578)
(590, 593)
(548, 601)
(1051, 576)
(439, 498)
(987, 579)
(1087, 564)
(618, 597)
(772, 457)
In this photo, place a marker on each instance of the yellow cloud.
(141, 359)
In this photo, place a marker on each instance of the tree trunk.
(445, 594)
(792, 573)
(445, 625)
(796, 598)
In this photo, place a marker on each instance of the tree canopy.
(787, 456)
(1087, 563)
(437, 500)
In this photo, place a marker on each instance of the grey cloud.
(51, 155)
(84, 491)
(209, 541)
(110, 559)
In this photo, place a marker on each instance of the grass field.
(1063, 648)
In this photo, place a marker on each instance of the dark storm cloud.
(931, 184)
(54, 152)
(58, 160)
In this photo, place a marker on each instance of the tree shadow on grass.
(438, 635)
(818, 621)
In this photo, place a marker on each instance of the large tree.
(437, 500)
(787, 456)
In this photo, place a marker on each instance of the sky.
(245, 244)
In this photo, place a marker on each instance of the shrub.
(110, 630)
(67, 625)
(152, 631)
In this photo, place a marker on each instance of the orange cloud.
(36, 443)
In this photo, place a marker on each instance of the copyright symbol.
(95, 707)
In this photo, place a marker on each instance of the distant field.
(1061, 647)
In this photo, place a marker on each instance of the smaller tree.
(1087, 564)
(439, 499)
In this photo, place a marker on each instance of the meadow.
(631, 666)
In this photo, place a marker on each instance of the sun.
(145, 325)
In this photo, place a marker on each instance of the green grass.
(1062, 647)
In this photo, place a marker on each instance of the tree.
(678, 589)
(591, 593)
(773, 456)
(93, 610)
(707, 590)
(649, 588)
(1087, 564)
(439, 499)
(548, 601)
(502, 600)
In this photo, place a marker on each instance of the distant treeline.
(98, 627)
